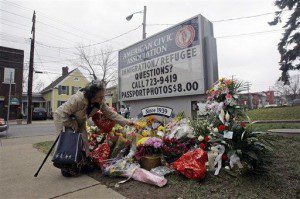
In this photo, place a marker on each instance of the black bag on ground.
(69, 153)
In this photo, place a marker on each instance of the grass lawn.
(44, 146)
(282, 113)
(281, 180)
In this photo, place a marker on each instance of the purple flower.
(157, 145)
(154, 142)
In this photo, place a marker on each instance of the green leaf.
(251, 154)
(230, 153)
(263, 145)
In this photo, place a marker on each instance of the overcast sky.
(65, 23)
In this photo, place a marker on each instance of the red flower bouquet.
(102, 122)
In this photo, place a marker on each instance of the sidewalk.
(24, 122)
(18, 163)
(289, 132)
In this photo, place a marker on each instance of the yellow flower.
(142, 141)
(119, 134)
(150, 119)
(161, 128)
(145, 133)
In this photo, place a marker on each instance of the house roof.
(57, 81)
(36, 97)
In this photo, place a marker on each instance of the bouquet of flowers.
(149, 147)
(174, 148)
(235, 140)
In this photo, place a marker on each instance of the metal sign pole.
(9, 96)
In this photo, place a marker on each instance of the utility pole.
(30, 76)
(144, 22)
(247, 86)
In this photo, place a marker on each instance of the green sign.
(14, 101)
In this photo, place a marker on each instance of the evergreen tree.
(289, 45)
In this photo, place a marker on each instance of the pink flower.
(228, 96)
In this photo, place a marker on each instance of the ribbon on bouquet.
(235, 159)
(218, 160)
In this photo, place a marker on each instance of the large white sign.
(165, 65)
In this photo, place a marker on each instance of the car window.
(39, 109)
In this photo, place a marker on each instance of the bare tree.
(100, 64)
(38, 84)
(288, 91)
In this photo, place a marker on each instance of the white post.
(144, 22)
(9, 96)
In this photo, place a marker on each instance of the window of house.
(9, 72)
(63, 90)
(76, 79)
(59, 103)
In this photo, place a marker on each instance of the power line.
(41, 63)
(245, 17)
(248, 34)
(14, 22)
(223, 20)
(107, 40)
(15, 14)
(48, 34)
(112, 37)
(14, 26)
(14, 41)
(53, 19)
(90, 45)
(48, 17)
(63, 30)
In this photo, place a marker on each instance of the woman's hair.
(90, 91)
(93, 88)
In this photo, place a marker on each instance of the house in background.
(258, 99)
(111, 97)
(37, 101)
(59, 91)
(11, 70)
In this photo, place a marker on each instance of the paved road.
(37, 128)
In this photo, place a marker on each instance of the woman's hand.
(130, 123)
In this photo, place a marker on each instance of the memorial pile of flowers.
(235, 145)
(154, 147)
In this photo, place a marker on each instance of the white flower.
(200, 138)
(227, 167)
(227, 116)
(190, 135)
(215, 130)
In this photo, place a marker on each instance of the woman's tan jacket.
(77, 105)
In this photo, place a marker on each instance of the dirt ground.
(281, 181)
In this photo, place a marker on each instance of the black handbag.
(69, 153)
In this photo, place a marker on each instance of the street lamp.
(129, 17)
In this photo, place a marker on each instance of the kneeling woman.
(81, 106)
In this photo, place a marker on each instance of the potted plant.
(19, 118)
(149, 153)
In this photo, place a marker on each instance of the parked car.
(296, 102)
(39, 113)
(3, 125)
